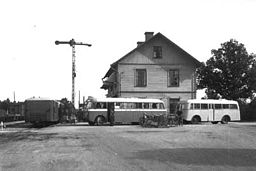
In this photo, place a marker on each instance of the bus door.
(211, 113)
(218, 112)
(204, 112)
(111, 108)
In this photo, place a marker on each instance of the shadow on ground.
(28, 125)
(201, 156)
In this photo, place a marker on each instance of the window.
(161, 106)
(204, 106)
(157, 52)
(192, 106)
(197, 106)
(225, 106)
(140, 78)
(122, 106)
(217, 106)
(173, 78)
(138, 105)
(154, 106)
(129, 105)
(233, 106)
(146, 105)
(101, 105)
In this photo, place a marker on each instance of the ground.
(130, 147)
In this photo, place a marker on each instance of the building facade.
(156, 68)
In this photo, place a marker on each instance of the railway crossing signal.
(73, 43)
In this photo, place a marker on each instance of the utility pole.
(72, 43)
(14, 97)
(79, 99)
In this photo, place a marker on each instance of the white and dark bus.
(126, 110)
(196, 111)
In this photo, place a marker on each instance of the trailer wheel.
(99, 120)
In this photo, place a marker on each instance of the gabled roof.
(143, 44)
(154, 37)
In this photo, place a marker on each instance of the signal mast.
(73, 43)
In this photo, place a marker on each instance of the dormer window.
(157, 52)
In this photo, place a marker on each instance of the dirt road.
(191, 147)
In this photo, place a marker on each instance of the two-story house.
(156, 68)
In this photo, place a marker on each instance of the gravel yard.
(83, 147)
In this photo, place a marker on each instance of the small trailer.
(41, 110)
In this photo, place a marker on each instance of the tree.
(229, 73)
(5, 105)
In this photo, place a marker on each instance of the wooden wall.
(157, 72)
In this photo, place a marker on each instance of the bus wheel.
(225, 119)
(196, 120)
(214, 122)
(99, 120)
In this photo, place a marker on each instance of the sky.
(32, 65)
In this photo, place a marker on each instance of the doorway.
(173, 104)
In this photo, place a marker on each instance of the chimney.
(148, 35)
(139, 43)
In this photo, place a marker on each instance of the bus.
(196, 111)
(126, 110)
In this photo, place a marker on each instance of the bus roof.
(212, 101)
(133, 100)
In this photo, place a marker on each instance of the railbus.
(196, 111)
(41, 110)
(126, 110)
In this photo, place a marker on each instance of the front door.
(173, 104)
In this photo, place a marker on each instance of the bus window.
(122, 106)
(192, 106)
(217, 106)
(89, 105)
(154, 106)
(132, 105)
(233, 106)
(204, 106)
(146, 105)
(161, 106)
(100, 105)
(225, 106)
(197, 106)
(129, 106)
(138, 105)
(117, 106)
